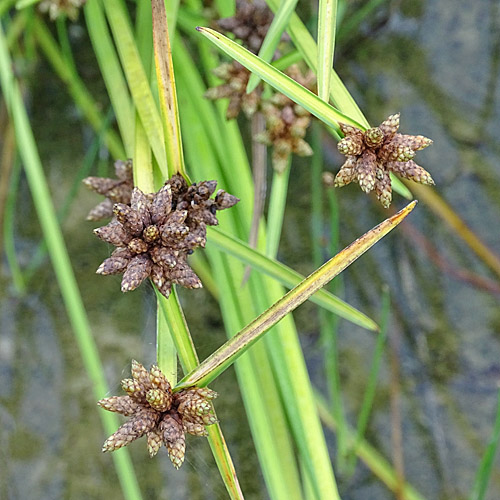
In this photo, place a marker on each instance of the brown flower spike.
(115, 190)
(157, 412)
(287, 122)
(157, 232)
(235, 78)
(250, 23)
(373, 153)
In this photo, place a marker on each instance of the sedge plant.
(168, 128)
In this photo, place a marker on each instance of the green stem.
(277, 203)
(174, 317)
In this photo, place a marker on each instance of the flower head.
(156, 411)
(374, 153)
(235, 79)
(249, 24)
(155, 233)
(117, 190)
(287, 122)
(57, 8)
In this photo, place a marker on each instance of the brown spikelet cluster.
(155, 411)
(235, 79)
(56, 8)
(287, 123)
(249, 24)
(117, 190)
(155, 233)
(374, 153)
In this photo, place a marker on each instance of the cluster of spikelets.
(374, 153)
(160, 414)
(250, 23)
(117, 190)
(57, 8)
(286, 122)
(155, 233)
(235, 78)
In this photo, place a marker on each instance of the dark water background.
(437, 62)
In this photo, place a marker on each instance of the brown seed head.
(159, 414)
(373, 153)
(156, 233)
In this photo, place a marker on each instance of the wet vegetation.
(383, 384)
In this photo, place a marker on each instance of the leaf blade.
(273, 37)
(281, 82)
(327, 19)
(286, 276)
(221, 359)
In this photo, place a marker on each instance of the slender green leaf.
(221, 359)
(136, 78)
(168, 94)
(111, 72)
(172, 11)
(327, 20)
(225, 7)
(286, 276)
(293, 57)
(281, 82)
(357, 17)
(21, 4)
(144, 35)
(143, 164)
(8, 219)
(277, 203)
(273, 37)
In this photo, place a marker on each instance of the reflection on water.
(437, 63)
